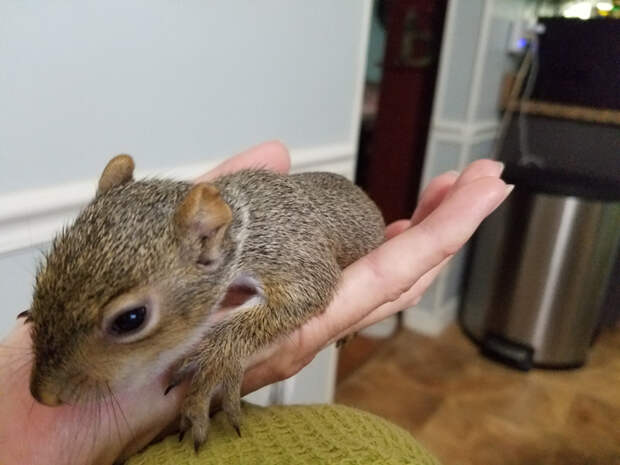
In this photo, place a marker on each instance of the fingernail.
(454, 173)
(501, 166)
(509, 188)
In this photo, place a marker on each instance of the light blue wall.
(497, 61)
(483, 149)
(170, 82)
(17, 271)
(464, 45)
(446, 157)
(460, 66)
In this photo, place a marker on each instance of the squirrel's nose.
(47, 398)
(42, 395)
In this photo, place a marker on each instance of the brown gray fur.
(176, 249)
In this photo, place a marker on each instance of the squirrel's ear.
(118, 171)
(204, 214)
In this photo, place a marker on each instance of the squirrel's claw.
(232, 406)
(184, 425)
(340, 343)
(199, 434)
(231, 396)
(181, 371)
(26, 315)
(170, 388)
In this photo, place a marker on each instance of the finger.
(433, 195)
(389, 271)
(442, 185)
(407, 300)
(278, 362)
(269, 155)
(479, 169)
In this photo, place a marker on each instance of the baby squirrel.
(136, 284)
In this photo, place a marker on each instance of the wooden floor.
(471, 411)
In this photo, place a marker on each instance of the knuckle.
(450, 249)
(394, 284)
(392, 295)
(438, 244)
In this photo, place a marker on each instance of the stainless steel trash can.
(537, 275)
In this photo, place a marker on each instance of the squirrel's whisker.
(121, 411)
(110, 399)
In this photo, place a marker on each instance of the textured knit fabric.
(284, 435)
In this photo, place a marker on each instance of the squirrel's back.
(285, 217)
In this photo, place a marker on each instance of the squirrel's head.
(122, 292)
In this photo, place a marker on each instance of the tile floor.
(471, 411)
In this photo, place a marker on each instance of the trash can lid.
(558, 182)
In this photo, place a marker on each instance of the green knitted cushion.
(319, 434)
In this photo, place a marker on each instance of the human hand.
(394, 276)
(107, 428)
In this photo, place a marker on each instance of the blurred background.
(513, 355)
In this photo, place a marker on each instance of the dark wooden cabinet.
(390, 166)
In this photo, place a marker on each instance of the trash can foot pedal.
(503, 350)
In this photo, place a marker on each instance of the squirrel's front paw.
(195, 417)
(196, 406)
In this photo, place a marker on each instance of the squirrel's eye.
(129, 321)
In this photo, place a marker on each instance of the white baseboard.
(30, 218)
(431, 321)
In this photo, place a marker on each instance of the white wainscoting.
(30, 218)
